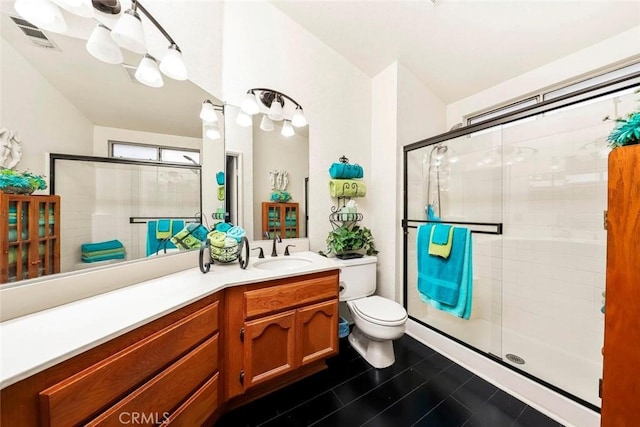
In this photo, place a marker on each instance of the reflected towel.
(120, 255)
(104, 252)
(223, 227)
(163, 229)
(347, 188)
(440, 240)
(155, 245)
(101, 246)
(446, 283)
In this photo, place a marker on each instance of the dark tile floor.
(422, 388)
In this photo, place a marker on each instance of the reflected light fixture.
(276, 106)
(210, 119)
(148, 72)
(101, 46)
(266, 124)
(42, 13)
(82, 8)
(208, 111)
(211, 130)
(287, 129)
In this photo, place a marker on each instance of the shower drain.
(515, 359)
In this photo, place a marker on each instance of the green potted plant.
(626, 131)
(350, 242)
(14, 182)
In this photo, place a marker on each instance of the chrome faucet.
(276, 239)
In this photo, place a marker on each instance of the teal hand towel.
(345, 171)
(155, 245)
(440, 233)
(441, 249)
(236, 232)
(444, 280)
(223, 227)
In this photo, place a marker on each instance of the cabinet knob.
(36, 262)
(242, 377)
(242, 334)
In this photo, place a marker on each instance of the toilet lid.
(380, 310)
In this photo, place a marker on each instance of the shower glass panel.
(538, 287)
(99, 199)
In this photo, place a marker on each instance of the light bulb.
(266, 124)
(208, 112)
(172, 64)
(128, 32)
(82, 8)
(275, 111)
(148, 72)
(101, 46)
(42, 13)
(211, 131)
(287, 129)
(298, 119)
(249, 104)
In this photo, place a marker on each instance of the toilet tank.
(357, 277)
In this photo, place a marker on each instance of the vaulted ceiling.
(458, 48)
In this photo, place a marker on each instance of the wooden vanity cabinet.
(282, 329)
(164, 372)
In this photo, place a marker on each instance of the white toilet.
(377, 320)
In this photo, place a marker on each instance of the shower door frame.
(592, 92)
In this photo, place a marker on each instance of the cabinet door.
(317, 332)
(269, 344)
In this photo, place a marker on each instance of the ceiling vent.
(34, 34)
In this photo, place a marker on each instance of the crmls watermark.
(142, 417)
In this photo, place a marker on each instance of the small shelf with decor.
(282, 219)
(30, 236)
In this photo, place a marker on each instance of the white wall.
(620, 48)
(404, 111)
(272, 151)
(53, 125)
(262, 47)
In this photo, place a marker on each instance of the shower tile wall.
(97, 201)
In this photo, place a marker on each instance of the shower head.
(191, 160)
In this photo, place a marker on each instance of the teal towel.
(155, 245)
(120, 255)
(345, 171)
(440, 234)
(101, 246)
(236, 232)
(223, 227)
(163, 229)
(446, 283)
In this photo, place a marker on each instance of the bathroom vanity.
(238, 335)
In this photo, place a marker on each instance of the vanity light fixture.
(127, 33)
(42, 13)
(276, 106)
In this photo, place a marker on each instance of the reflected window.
(156, 153)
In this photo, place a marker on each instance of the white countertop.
(35, 342)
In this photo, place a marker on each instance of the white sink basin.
(284, 263)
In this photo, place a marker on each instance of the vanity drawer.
(83, 394)
(199, 407)
(280, 297)
(164, 392)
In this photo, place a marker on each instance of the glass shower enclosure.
(532, 188)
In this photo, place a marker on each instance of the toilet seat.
(379, 310)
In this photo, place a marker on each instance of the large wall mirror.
(59, 99)
(263, 160)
